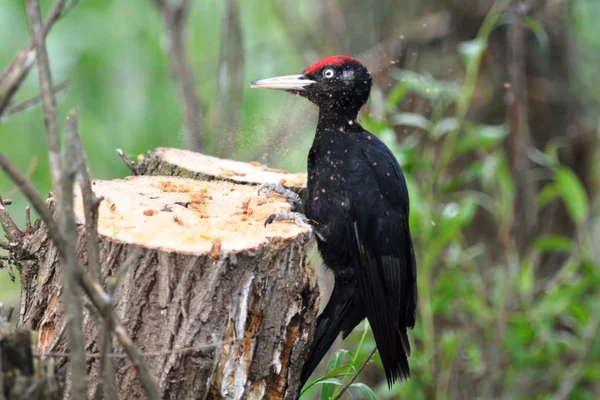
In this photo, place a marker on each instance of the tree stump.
(224, 306)
(22, 377)
(188, 164)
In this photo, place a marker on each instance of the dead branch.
(28, 227)
(11, 230)
(90, 205)
(5, 244)
(33, 101)
(130, 164)
(74, 310)
(98, 297)
(174, 17)
(38, 36)
(14, 75)
(230, 74)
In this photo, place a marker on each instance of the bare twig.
(174, 16)
(74, 310)
(32, 102)
(28, 228)
(130, 164)
(129, 262)
(38, 36)
(351, 381)
(11, 230)
(34, 197)
(14, 75)
(90, 207)
(7, 202)
(574, 373)
(520, 139)
(98, 297)
(230, 74)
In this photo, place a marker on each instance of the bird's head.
(335, 82)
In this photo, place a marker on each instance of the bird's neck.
(335, 119)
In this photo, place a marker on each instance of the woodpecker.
(357, 205)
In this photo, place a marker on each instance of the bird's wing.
(383, 255)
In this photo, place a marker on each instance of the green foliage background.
(501, 331)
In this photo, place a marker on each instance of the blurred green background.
(495, 122)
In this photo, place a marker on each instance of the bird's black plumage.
(358, 203)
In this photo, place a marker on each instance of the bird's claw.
(292, 197)
(300, 219)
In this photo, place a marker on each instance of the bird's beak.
(287, 82)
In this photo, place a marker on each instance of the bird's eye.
(329, 73)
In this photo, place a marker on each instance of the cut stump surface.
(175, 162)
(188, 216)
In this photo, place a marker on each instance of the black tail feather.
(341, 314)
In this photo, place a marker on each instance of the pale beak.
(288, 82)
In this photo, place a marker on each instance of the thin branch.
(174, 17)
(230, 74)
(33, 101)
(14, 75)
(28, 228)
(130, 164)
(38, 36)
(90, 208)
(129, 262)
(74, 310)
(98, 297)
(351, 381)
(11, 230)
(34, 198)
(574, 373)
(520, 137)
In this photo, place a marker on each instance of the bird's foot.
(300, 219)
(292, 197)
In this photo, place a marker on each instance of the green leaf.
(572, 192)
(334, 364)
(328, 387)
(471, 50)
(444, 126)
(481, 137)
(537, 28)
(411, 119)
(547, 194)
(432, 89)
(365, 389)
(551, 243)
(396, 95)
(526, 277)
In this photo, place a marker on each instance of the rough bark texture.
(22, 378)
(209, 272)
(187, 164)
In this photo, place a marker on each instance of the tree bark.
(209, 276)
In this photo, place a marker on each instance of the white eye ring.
(329, 73)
